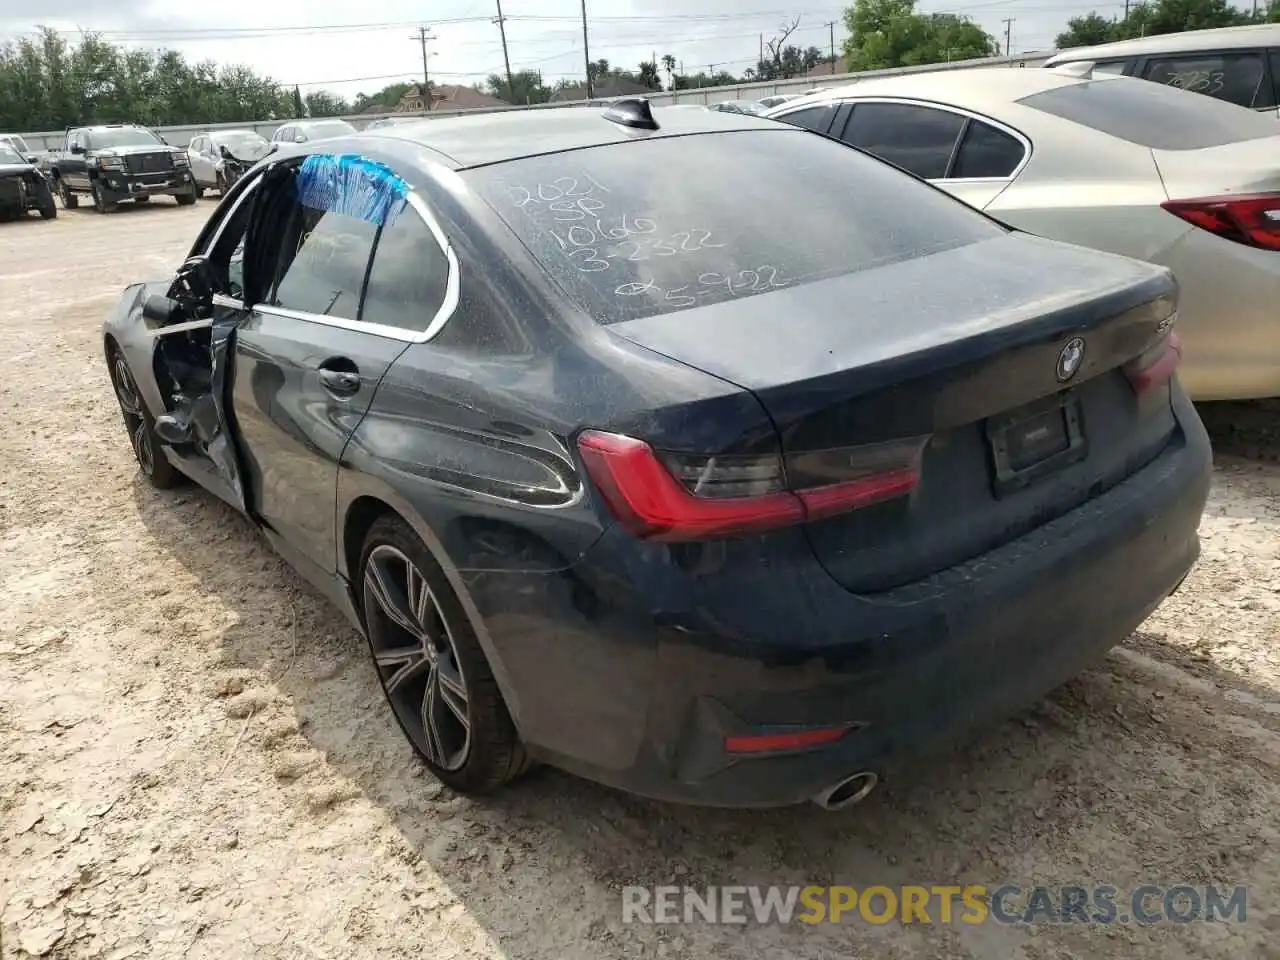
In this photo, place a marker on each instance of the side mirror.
(273, 148)
(162, 310)
(32, 158)
(77, 148)
(299, 138)
(195, 283)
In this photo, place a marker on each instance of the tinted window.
(811, 118)
(1235, 77)
(987, 152)
(1152, 115)
(8, 154)
(918, 139)
(409, 276)
(328, 270)
(635, 229)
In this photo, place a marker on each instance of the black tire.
(141, 199)
(188, 198)
(46, 205)
(100, 201)
(69, 200)
(160, 473)
(431, 661)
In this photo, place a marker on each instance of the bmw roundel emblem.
(1070, 359)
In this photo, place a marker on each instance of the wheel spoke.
(406, 664)
(142, 446)
(125, 392)
(431, 721)
(389, 598)
(453, 694)
(419, 596)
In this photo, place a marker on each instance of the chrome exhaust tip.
(847, 792)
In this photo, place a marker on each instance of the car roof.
(1216, 38)
(972, 88)
(472, 141)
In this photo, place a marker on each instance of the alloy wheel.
(131, 408)
(417, 657)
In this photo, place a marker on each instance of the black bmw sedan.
(625, 461)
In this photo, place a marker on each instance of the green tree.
(889, 33)
(526, 87)
(47, 83)
(323, 104)
(1158, 17)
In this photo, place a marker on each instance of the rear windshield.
(16, 143)
(1153, 115)
(636, 229)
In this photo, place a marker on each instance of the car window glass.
(917, 139)
(986, 152)
(1151, 114)
(625, 245)
(812, 118)
(409, 275)
(1235, 77)
(1275, 77)
(326, 273)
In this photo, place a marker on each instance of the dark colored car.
(614, 474)
(121, 162)
(23, 187)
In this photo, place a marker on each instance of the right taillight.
(1156, 365)
(1252, 219)
(680, 497)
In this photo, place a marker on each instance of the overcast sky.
(351, 47)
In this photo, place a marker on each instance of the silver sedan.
(1107, 162)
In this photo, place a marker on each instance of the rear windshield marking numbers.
(559, 189)
(760, 280)
(1197, 81)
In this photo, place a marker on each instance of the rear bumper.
(644, 702)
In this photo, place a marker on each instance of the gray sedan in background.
(1109, 162)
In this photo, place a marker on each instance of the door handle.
(340, 383)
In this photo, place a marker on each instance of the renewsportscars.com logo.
(936, 904)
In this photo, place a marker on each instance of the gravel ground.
(195, 759)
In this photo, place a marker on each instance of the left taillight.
(1157, 364)
(1252, 219)
(680, 497)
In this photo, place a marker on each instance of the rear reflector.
(780, 742)
(1252, 219)
(1157, 365)
(677, 497)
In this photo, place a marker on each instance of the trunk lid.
(1245, 167)
(962, 347)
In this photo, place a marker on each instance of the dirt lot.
(195, 759)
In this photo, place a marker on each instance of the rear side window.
(917, 139)
(812, 118)
(1116, 67)
(409, 275)
(987, 152)
(1152, 115)
(1235, 77)
(327, 272)
(647, 227)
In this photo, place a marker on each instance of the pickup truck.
(119, 162)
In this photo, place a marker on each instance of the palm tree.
(669, 62)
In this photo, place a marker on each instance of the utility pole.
(1126, 9)
(832, 27)
(761, 49)
(1008, 34)
(586, 54)
(502, 29)
(422, 36)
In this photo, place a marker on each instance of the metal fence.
(180, 136)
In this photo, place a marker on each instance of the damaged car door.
(304, 365)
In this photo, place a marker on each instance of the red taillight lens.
(1156, 365)
(1252, 219)
(785, 741)
(683, 498)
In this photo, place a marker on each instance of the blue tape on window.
(353, 186)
